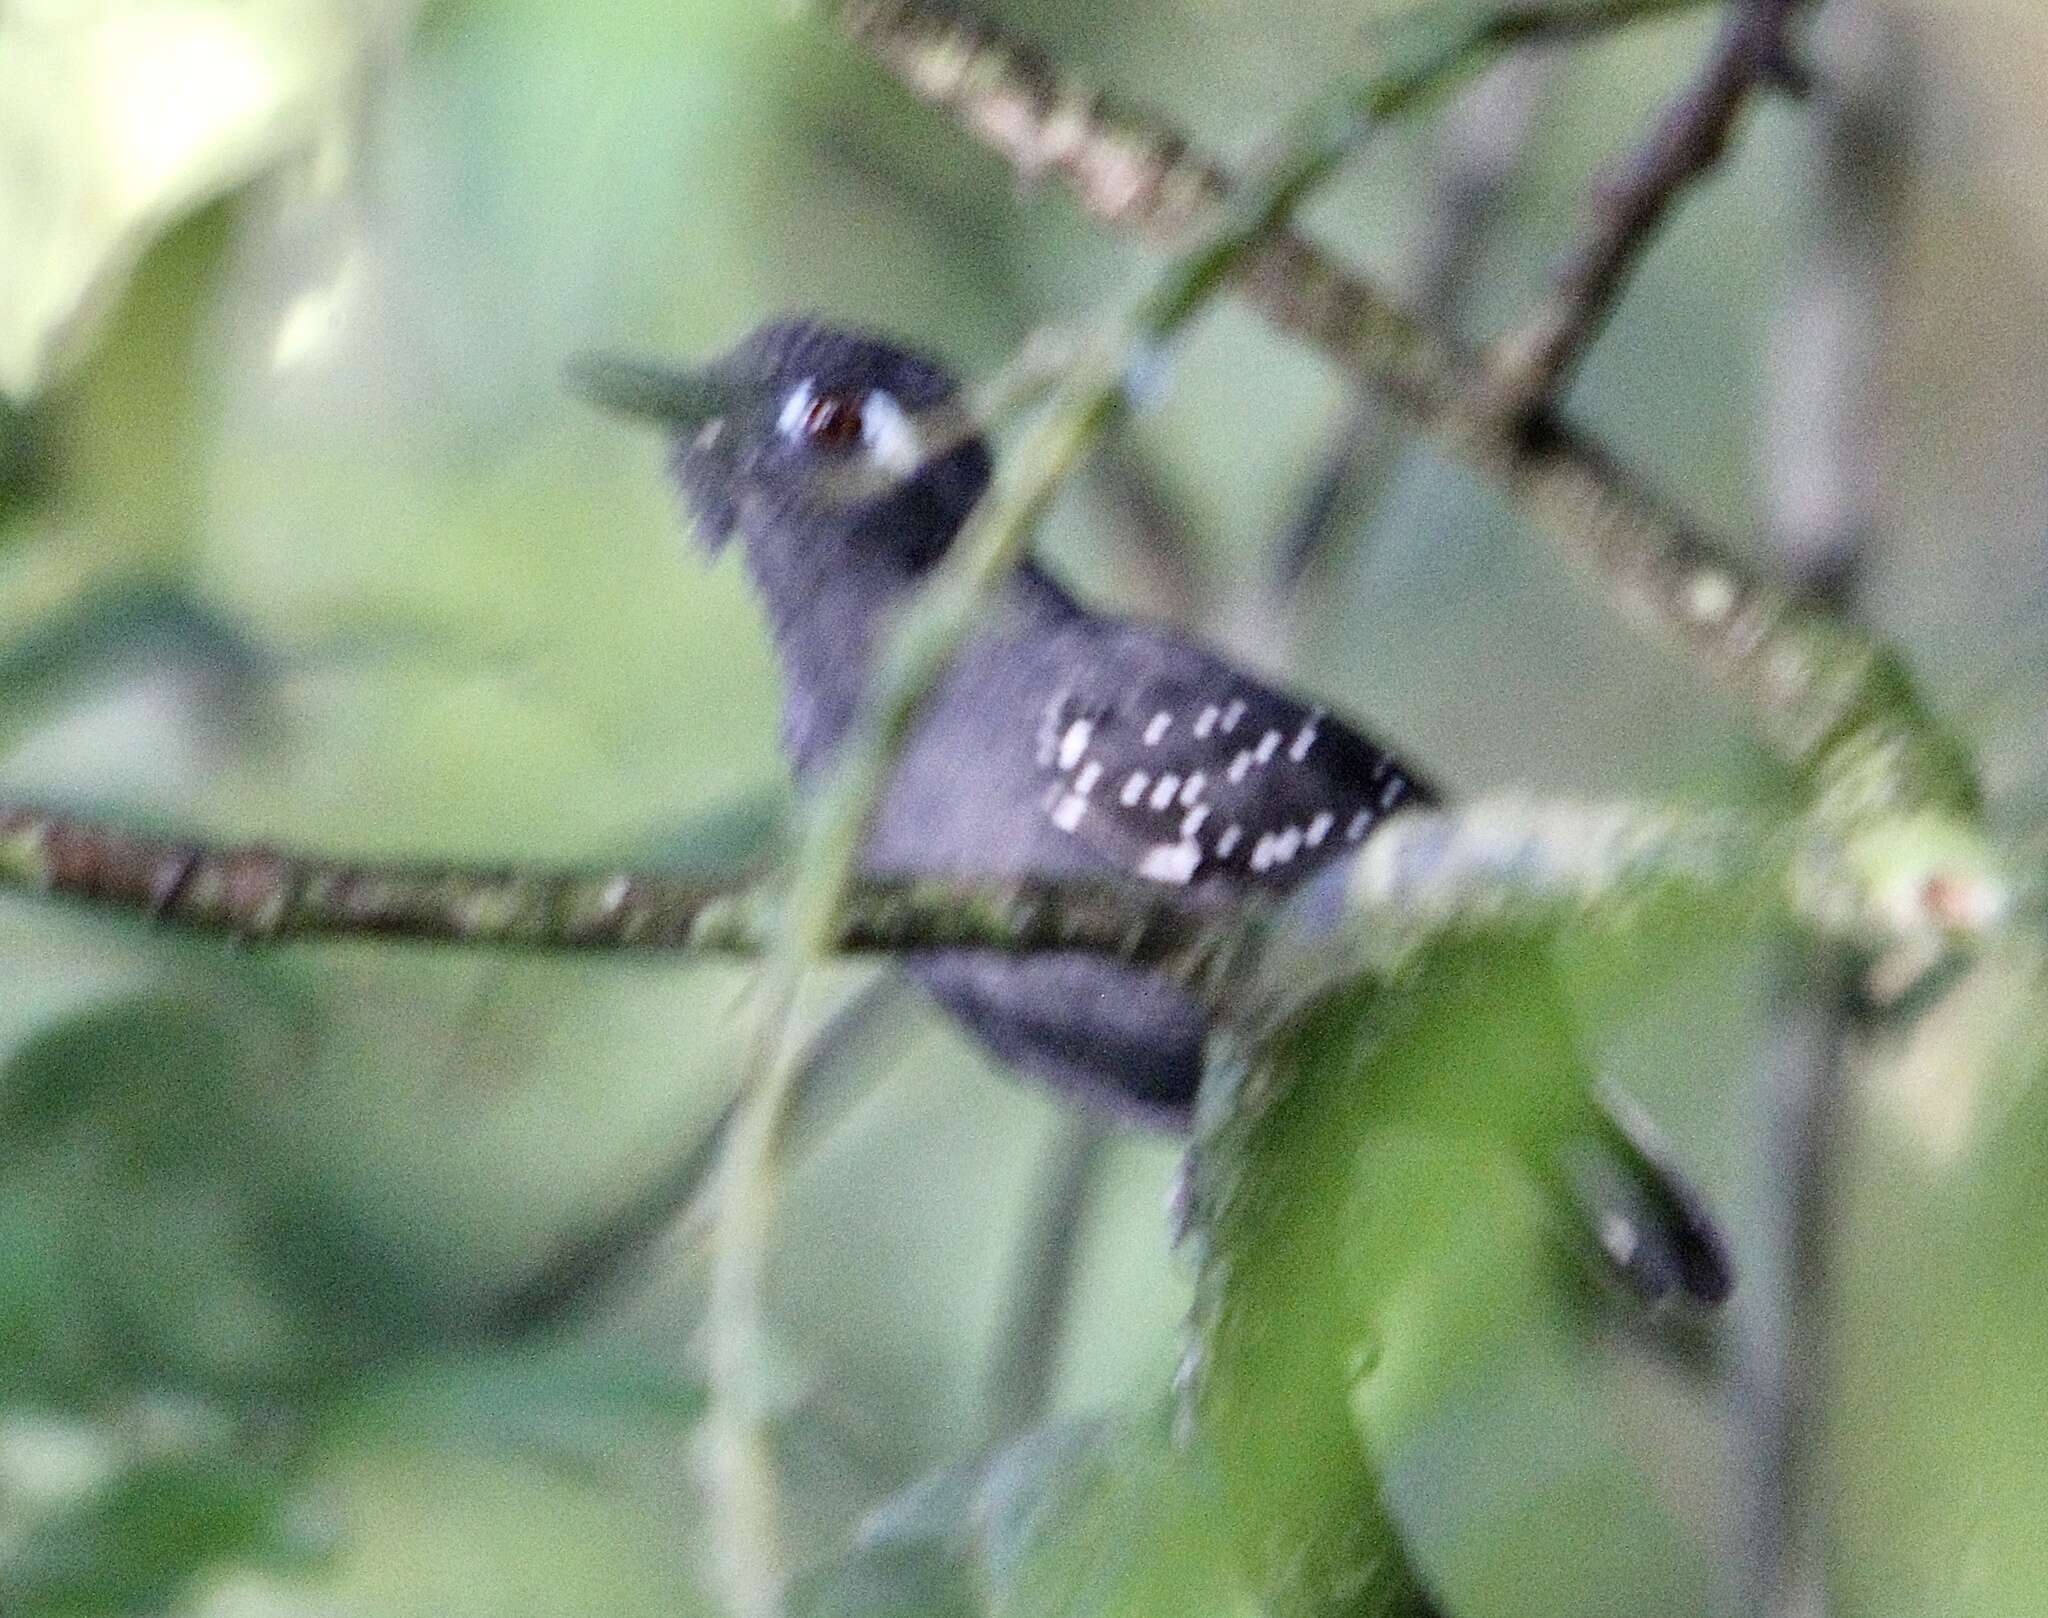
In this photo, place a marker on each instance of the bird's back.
(1063, 742)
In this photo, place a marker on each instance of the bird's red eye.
(832, 420)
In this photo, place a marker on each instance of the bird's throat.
(828, 599)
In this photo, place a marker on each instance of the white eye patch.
(891, 440)
(894, 443)
(798, 405)
(888, 434)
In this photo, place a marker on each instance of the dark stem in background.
(1476, 151)
(1630, 199)
(1783, 1378)
(1031, 1327)
(844, 1057)
(1821, 453)
(1157, 529)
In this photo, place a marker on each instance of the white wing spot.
(1163, 793)
(1287, 845)
(1193, 789)
(1205, 721)
(1228, 841)
(1231, 715)
(1091, 772)
(1067, 813)
(1620, 1238)
(1075, 742)
(1156, 731)
(1134, 789)
(1359, 822)
(1240, 767)
(1710, 597)
(1305, 738)
(1262, 852)
(1318, 829)
(1263, 753)
(1390, 794)
(1171, 862)
(1191, 822)
(1380, 766)
(1049, 728)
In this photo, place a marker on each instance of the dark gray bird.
(1060, 742)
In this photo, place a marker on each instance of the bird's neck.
(829, 602)
(827, 599)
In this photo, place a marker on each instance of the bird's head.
(811, 438)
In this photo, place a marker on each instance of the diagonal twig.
(1630, 199)
(1023, 1363)
(671, 1211)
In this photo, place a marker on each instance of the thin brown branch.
(259, 893)
(1630, 200)
(1917, 885)
(1838, 709)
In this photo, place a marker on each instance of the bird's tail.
(1651, 1225)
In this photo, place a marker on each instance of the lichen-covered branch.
(1493, 862)
(1837, 708)
(257, 892)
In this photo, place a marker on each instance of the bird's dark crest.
(784, 352)
(748, 458)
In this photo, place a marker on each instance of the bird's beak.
(681, 401)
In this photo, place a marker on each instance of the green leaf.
(918, 1560)
(159, 1243)
(131, 1545)
(575, 1406)
(118, 119)
(1104, 1519)
(1387, 1300)
(1937, 1478)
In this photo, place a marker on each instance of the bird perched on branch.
(1060, 742)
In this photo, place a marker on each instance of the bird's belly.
(973, 807)
(1110, 1035)
(1113, 1036)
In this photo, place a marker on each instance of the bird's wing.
(1178, 768)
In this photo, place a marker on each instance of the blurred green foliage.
(300, 540)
